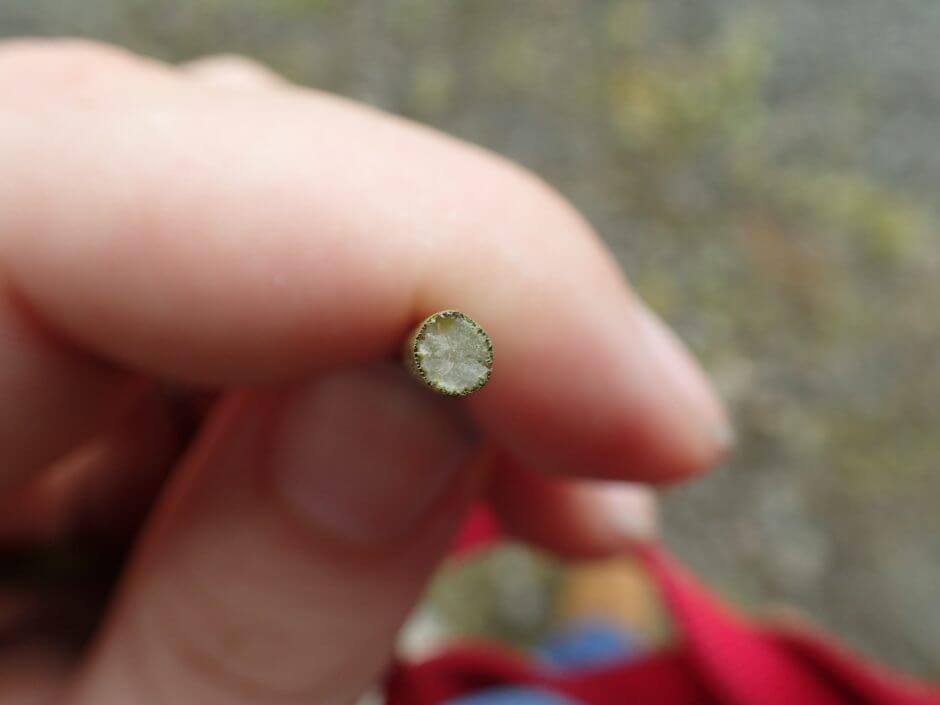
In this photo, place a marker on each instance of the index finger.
(218, 237)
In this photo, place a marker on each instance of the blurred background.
(766, 173)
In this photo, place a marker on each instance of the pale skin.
(214, 228)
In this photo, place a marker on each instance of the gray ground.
(765, 171)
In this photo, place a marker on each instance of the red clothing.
(722, 659)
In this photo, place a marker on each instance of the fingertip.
(684, 379)
(571, 517)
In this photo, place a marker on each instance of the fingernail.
(630, 510)
(364, 455)
(683, 379)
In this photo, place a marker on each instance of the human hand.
(214, 228)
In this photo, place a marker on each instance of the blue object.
(513, 695)
(579, 645)
(588, 644)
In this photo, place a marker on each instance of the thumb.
(289, 548)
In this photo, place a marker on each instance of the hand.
(214, 228)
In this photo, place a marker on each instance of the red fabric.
(722, 659)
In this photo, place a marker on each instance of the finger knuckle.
(233, 62)
(232, 69)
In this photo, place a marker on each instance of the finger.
(222, 239)
(232, 71)
(51, 395)
(101, 490)
(33, 674)
(289, 548)
(574, 518)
